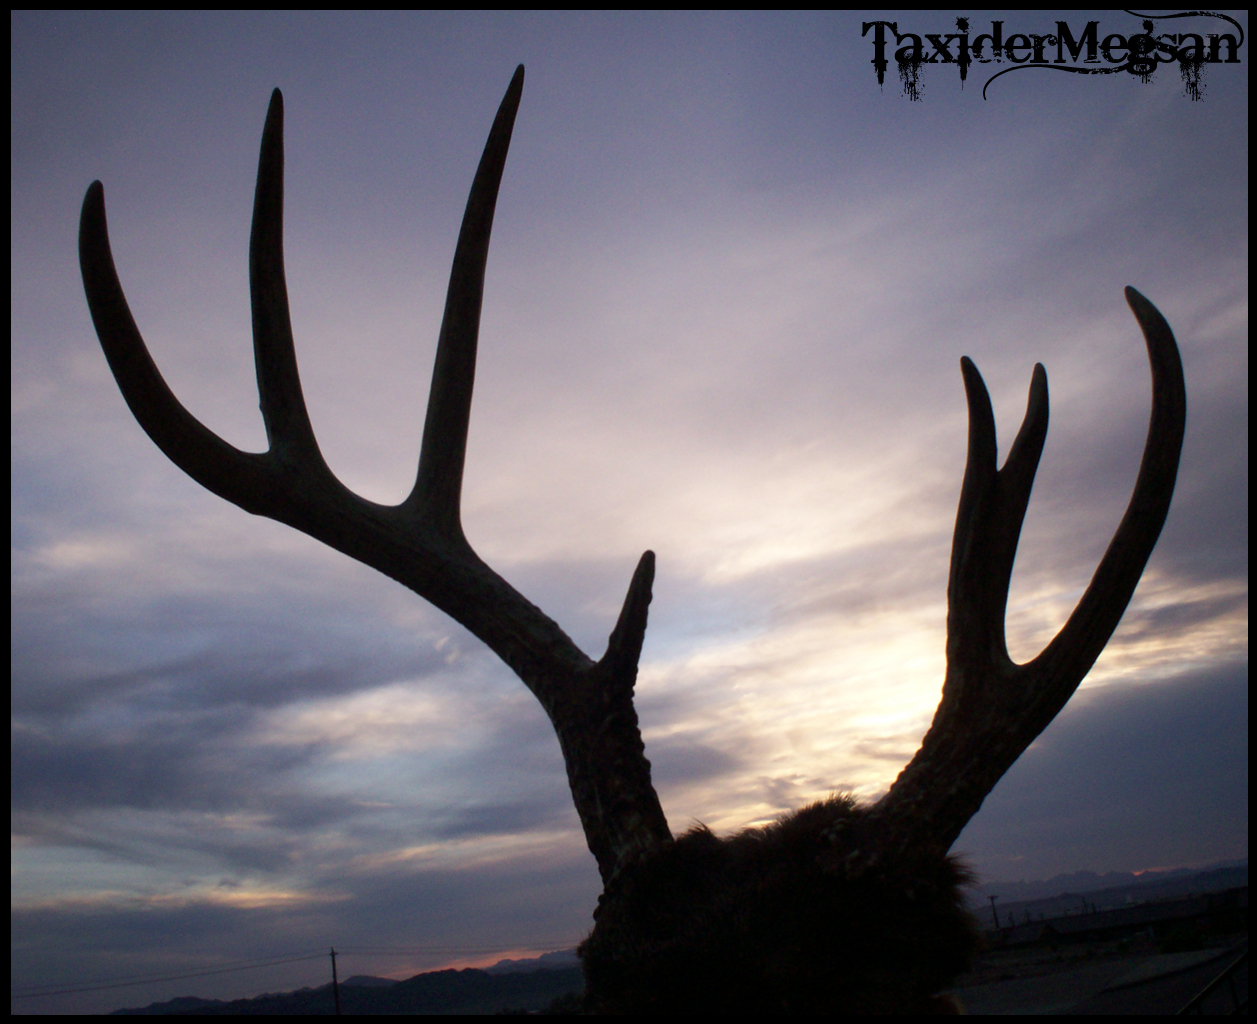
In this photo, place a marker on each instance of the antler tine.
(1088, 629)
(439, 483)
(624, 648)
(992, 709)
(240, 477)
(988, 523)
(279, 386)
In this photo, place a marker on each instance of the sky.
(730, 283)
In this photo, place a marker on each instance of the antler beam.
(420, 543)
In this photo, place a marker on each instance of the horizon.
(488, 961)
(729, 286)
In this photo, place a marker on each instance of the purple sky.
(729, 286)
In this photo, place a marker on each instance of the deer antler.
(992, 709)
(420, 543)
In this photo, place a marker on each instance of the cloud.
(1161, 767)
(428, 916)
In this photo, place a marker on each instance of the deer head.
(837, 905)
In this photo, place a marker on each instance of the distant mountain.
(1223, 875)
(545, 962)
(1085, 891)
(371, 981)
(436, 992)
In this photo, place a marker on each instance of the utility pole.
(335, 983)
(994, 916)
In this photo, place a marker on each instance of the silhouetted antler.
(992, 709)
(419, 543)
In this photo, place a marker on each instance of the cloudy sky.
(730, 282)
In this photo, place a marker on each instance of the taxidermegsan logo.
(1138, 54)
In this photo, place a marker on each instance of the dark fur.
(774, 920)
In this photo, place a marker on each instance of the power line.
(452, 950)
(67, 989)
(70, 988)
